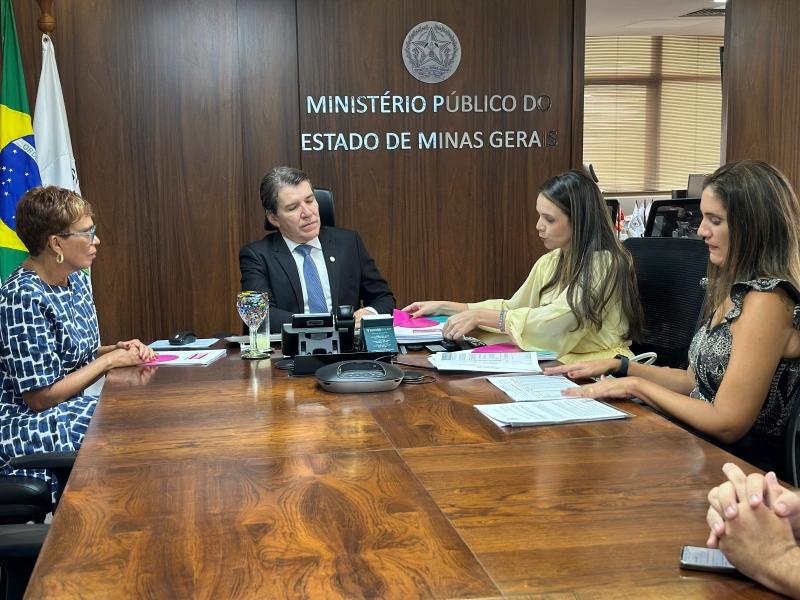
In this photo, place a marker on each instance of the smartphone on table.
(698, 558)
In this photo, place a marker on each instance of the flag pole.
(47, 22)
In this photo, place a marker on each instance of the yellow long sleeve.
(545, 321)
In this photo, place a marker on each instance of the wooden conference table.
(237, 481)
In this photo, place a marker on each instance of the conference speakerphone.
(357, 376)
(308, 364)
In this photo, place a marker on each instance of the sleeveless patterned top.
(709, 354)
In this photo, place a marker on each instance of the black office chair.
(791, 462)
(678, 217)
(19, 549)
(326, 215)
(613, 209)
(24, 499)
(668, 271)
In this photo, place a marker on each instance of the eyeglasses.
(89, 234)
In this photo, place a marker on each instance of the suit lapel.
(329, 251)
(286, 261)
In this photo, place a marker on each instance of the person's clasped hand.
(143, 351)
(754, 521)
(753, 490)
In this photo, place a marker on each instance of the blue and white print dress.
(46, 333)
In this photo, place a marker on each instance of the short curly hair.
(46, 211)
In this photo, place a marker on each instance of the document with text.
(532, 388)
(487, 362)
(550, 412)
(186, 358)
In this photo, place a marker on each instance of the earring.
(59, 258)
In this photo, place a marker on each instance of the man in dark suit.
(306, 267)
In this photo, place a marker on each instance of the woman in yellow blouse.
(580, 300)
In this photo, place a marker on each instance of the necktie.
(316, 297)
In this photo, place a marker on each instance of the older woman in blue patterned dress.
(744, 361)
(50, 348)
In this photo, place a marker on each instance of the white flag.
(636, 226)
(53, 144)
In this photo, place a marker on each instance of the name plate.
(377, 333)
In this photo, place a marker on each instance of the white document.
(418, 335)
(529, 388)
(491, 362)
(96, 388)
(565, 410)
(186, 358)
(200, 343)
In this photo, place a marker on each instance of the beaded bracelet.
(501, 323)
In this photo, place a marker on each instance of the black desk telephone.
(468, 343)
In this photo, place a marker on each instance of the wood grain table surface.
(238, 481)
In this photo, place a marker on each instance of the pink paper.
(505, 347)
(161, 358)
(403, 319)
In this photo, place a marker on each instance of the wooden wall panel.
(269, 103)
(178, 108)
(762, 83)
(175, 109)
(455, 224)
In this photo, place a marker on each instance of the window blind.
(652, 110)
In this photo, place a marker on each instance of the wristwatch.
(623, 366)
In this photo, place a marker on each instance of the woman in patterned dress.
(50, 348)
(744, 361)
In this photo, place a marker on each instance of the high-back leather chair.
(19, 549)
(666, 217)
(668, 272)
(24, 499)
(326, 215)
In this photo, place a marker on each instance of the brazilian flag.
(18, 169)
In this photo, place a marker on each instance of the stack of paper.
(466, 360)
(416, 331)
(182, 358)
(542, 403)
(529, 388)
(511, 347)
(546, 354)
(419, 335)
(565, 410)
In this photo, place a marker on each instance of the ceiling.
(651, 17)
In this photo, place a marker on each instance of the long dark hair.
(763, 214)
(592, 231)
